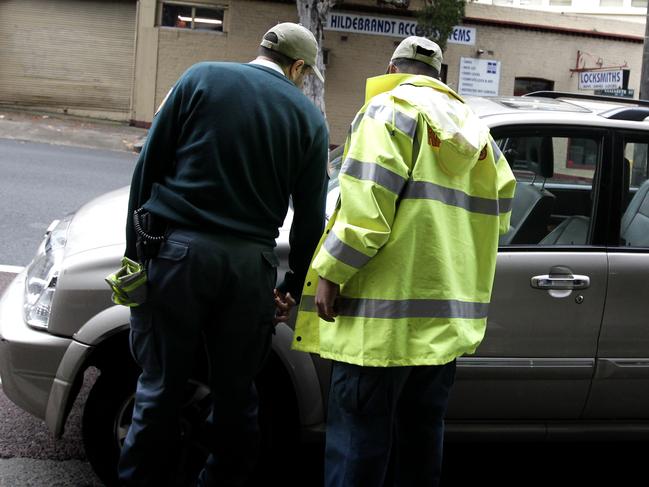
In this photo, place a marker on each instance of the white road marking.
(14, 269)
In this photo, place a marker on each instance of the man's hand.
(284, 304)
(325, 299)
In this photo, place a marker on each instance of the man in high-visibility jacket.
(404, 271)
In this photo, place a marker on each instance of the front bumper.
(29, 359)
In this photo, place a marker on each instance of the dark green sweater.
(230, 145)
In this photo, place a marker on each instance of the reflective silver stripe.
(505, 205)
(307, 303)
(403, 122)
(411, 308)
(496, 150)
(370, 171)
(344, 253)
(407, 308)
(448, 196)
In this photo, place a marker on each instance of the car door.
(620, 387)
(538, 356)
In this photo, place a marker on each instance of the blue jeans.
(208, 293)
(375, 409)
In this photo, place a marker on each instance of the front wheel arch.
(102, 414)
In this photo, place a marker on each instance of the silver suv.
(567, 344)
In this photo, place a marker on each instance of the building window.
(639, 3)
(560, 3)
(582, 153)
(190, 17)
(523, 86)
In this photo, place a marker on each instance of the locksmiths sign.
(601, 80)
(390, 26)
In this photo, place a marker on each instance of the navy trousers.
(205, 292)
(373, 410)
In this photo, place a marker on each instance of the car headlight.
(43, 272)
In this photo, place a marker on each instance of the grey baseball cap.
(296, 42)
(419, 49)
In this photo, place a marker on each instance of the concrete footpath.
(61, 129)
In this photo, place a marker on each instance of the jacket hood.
(461, 133)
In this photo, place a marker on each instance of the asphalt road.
(30, 456)
(43, 182)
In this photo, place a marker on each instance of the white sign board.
(600, 80)
(390, 26)
(479, 77)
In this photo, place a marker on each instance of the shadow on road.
(503, 465)
(549, 464)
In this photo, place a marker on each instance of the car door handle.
(560, 282)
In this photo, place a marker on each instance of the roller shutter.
(67, 53)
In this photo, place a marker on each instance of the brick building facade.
(525, 49)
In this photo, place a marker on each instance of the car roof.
(548, 107)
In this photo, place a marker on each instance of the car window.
(570, 160)
(335, 163)
(635, 155)
(555, 174)
(634, 225)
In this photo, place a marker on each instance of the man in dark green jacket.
(230, 145)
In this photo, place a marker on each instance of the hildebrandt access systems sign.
(601, 80)
(390, 26)
(366, 24)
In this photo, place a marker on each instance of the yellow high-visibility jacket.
(424, 194)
